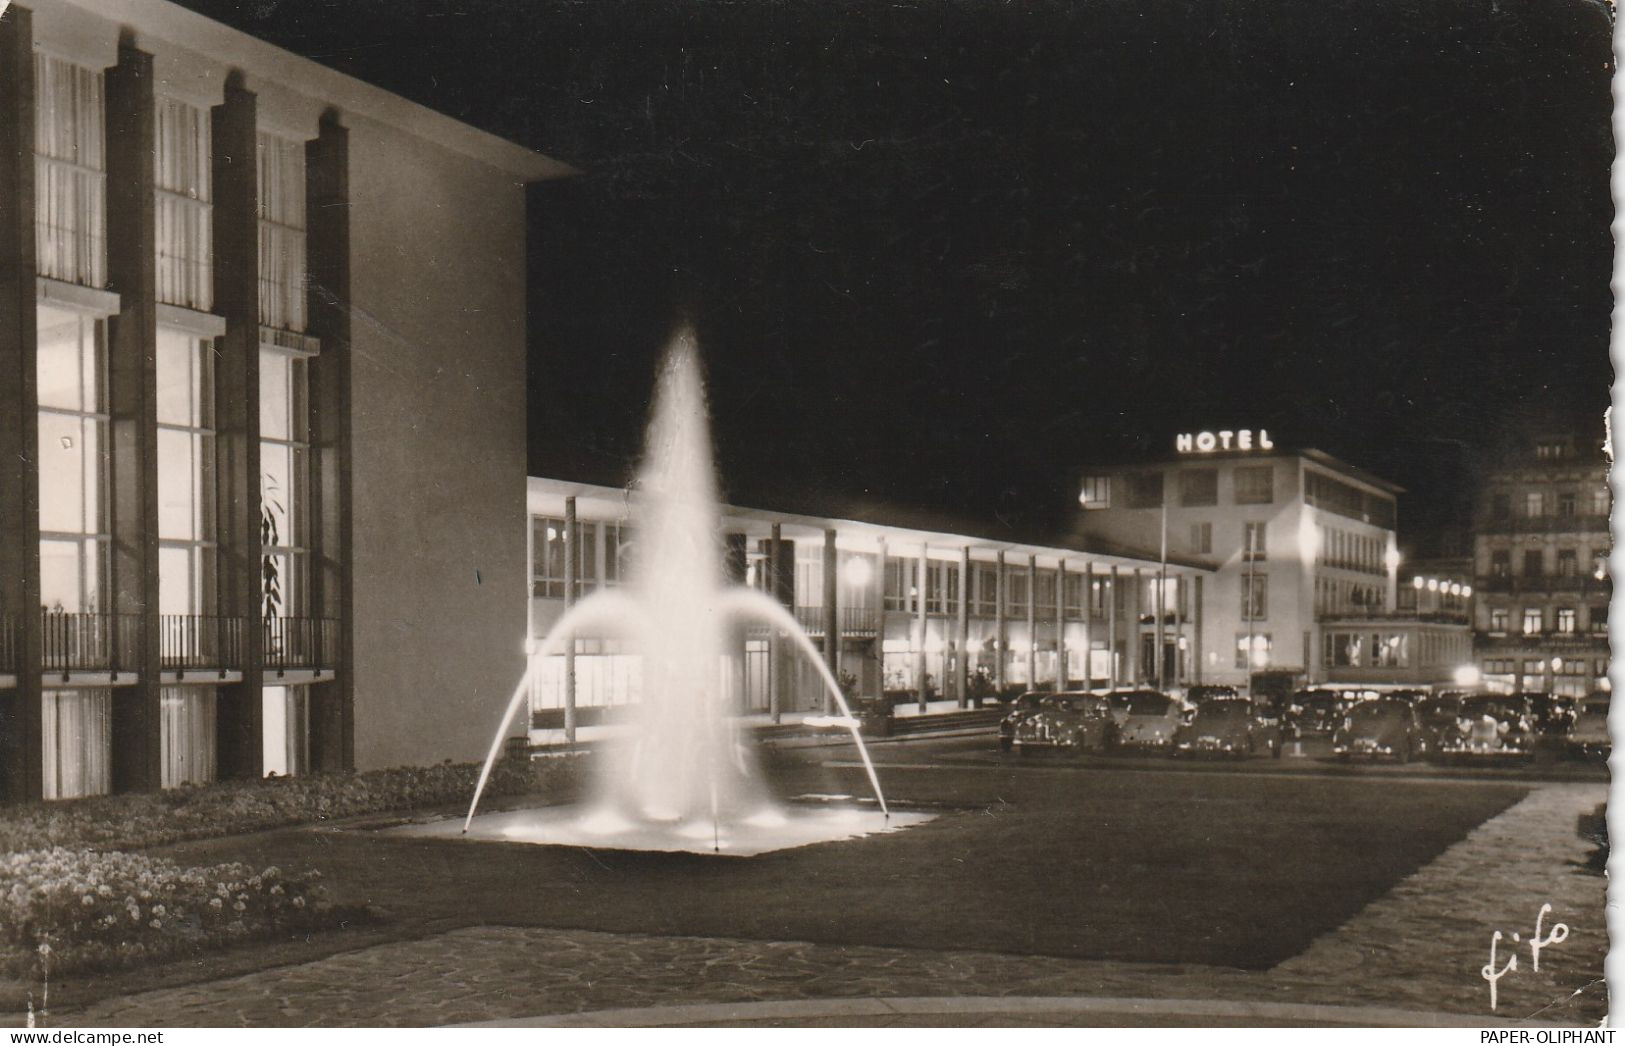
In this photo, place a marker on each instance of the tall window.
(1015, 582)
(282, 232)
(284, 460)
(1198, 487)
(1500, 619)
(73, 458)
(1501, 563)
(1255, 484)
(1567, 503)
(70, 167)
(1202, 538)
(1534, 504)
(1533, 621)
(987, 590)
(1568, 562)
(185, 215)
(1144, 489)
(1534, 562)
(185, 415)
(1567, 619)
(1599, 501)
(1253, 546)
(1044, 590)
(1255, 597)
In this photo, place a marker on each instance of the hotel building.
(900, 608)
(255, 315)
(1540, 553)
(1304, 560)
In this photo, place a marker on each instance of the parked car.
(1495, 726)
(1313, 715)
(1151, 723)
(1120, 700)
(1553, 715)
(1380, 726)
(1221, 726)
(1021, 707)
(1074, 721)
(1207, 691)
(1588, 739)
(1439, 714)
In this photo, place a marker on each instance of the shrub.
(232, 807)
(64, 910)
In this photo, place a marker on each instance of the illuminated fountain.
(682, 776)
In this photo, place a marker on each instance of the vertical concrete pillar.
(1136, 668)
(20, 711)
(1198, 651)
(962, 632)
(775, 648)
(1032, 622)
(240, 710)
(327, 248)
(1001, 635)
(1060, 625)
(879, 582)
(572, 549)
(832, 615)
(1089, 624)
(922, 568)
(1181, 655)
(132, 269)
(1111, 628)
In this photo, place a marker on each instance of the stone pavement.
(1420, 948)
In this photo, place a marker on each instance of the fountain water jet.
(683, 767)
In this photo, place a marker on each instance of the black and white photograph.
(923, 514)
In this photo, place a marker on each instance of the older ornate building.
(1541, 558)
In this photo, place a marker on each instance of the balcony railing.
(1537, 583)
(1548, 640)
(852, 621)
(1438, 617)
(1547, 524)
(200, 641)
(300, 642)
(89, 642)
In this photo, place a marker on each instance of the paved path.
(1418, 949)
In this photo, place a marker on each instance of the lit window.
(1600, 501)
(1500, 619)
(1097, 492)
(1534, 504)
(70, 209)
(184, 214)
(1533, 621)
(1260, 647)
(1566, 619)
(282, 232)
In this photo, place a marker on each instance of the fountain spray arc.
(683, 762)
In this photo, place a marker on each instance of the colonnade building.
(252, 315)
(900, 608)
(1304, 559)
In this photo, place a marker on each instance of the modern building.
(1304, 558)
(255, 317)
(993, 612)
(1540, 557)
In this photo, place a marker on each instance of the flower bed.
(232, 807)
(65, 910)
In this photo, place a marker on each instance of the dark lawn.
(1241, 870)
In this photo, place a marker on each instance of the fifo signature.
(1559, 934)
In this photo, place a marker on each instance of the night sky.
(944, 254)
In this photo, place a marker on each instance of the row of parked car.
(1397, 724)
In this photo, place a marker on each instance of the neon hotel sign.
(1224, 439)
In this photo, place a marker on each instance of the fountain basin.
(774, 828)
